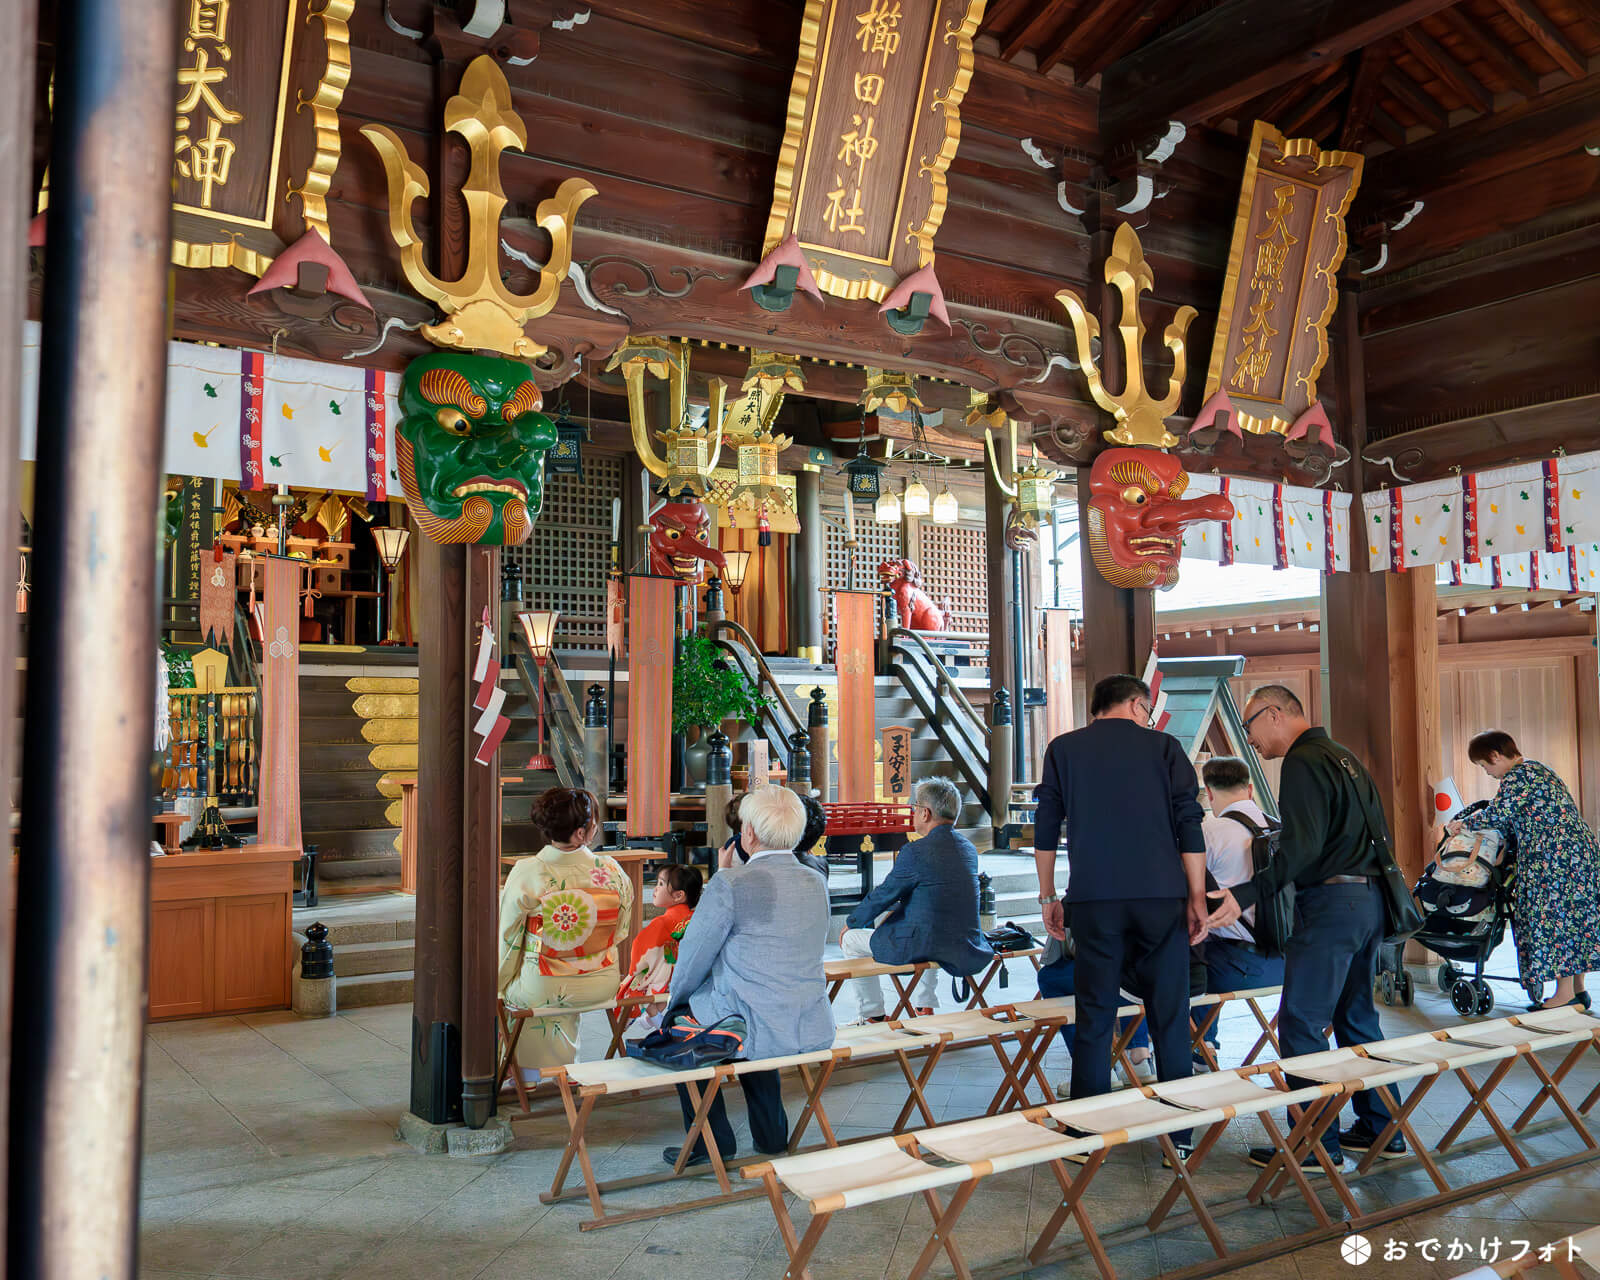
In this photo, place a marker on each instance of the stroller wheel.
(1408, 989)
(1485, 996)
(1463, 997)
(1386, 987)
(1446, 977)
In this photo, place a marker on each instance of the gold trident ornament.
(1140, 417)
(691, 451)
(480, 312)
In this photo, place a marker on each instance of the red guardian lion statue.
(917, 609)
(1137, 514)
(678, 549)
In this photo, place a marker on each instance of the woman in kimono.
(562, 913)
(1555, 910)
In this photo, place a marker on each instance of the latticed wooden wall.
(953, 568)
(879, 542)
(565, 559)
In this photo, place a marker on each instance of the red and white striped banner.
(1552, 507)
(377, 437)
(1158, 700)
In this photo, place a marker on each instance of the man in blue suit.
(931, 901)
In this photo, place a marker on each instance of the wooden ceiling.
(1456, 62)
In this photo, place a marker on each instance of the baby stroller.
(1465, 895)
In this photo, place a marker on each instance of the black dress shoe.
(671, 1154)
(1581, 1000)
(1359, 1138)
(1263, 1156)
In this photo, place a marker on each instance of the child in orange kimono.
(655, 951)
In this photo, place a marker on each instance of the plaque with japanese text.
(1281, 291)
(256, 129)
(896, 762)
(874, 121)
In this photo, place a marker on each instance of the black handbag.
(1402, 916)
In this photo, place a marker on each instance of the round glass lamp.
(390, 543)
(734, 570)
(887, 508)
(946, 510)
(917, 500)
(539, 630)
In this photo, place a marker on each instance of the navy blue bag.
(682, 1044)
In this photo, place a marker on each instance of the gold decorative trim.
(949, 105)
(324, 104)
(799, 106)
(225, 253)
(1289, 148)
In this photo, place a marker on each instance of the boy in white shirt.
(1233, 961)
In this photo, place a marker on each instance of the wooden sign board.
(650, 611)
(1280, 291)
(896, 762)
(759, 754)
(874, 121)
(256, 127)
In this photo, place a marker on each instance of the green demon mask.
(471, 447)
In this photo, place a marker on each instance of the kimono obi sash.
(574, 931)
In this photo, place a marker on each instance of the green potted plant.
(706, 690)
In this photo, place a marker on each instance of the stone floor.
(270, 1152)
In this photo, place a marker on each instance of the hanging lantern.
(946, 510)
(918, 502)
(1032, 490)
(566, 458)
(887, 509)
(888, 389)
(861, 473)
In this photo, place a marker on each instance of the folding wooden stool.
(855, 1045)
(511, 1022)
(864, 1173)
(1351, 1071)
(1269, 1026)
(996, 966)
(993, 1026)
(1018, 1140)
(1119, 1119)
(1563, 1019)
(1237, 1094)
(1052, 1015)
(1527, 1042)
(903, 976)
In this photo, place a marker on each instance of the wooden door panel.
(182, 974)
(1535, 702)
(252, 953)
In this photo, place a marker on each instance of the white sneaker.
(1143, 1073)
(1063, 1088)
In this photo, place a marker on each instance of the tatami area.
(270, 1153)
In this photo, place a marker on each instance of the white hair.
(774, 815)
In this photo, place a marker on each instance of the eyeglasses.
(1250, 720)
(1145, 709)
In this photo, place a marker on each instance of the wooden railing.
(954, 721)
(782, 720)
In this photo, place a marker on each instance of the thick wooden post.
(1383, 653)
(441, 734)
(805, 598)
(480, 863)
(83, 874)
(1003, 672)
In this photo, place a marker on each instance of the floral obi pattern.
(574, 931)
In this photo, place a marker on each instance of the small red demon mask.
(1137, 515)
(678, 533)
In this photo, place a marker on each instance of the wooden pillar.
(480, 864)
(83, 875)
(1003, 672)
(441, 735)
(1119, 623)
(805, 573)
(1383, 651)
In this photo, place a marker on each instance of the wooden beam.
(1489, 147)
(1363, 97)
(1493, 439)
(1436, 57)
(1077, 24)
(1122, 37)
(1235, 52)
(1308, 111)
(1527, 15)
(1272, 109)
(1410, 93)
(1494, 50)
(1036, 25)
(1392, 130)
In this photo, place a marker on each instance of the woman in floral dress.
(1555, 909)
(562, 913)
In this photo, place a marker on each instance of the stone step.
(362, 931)
(395, 957)
(365, 989)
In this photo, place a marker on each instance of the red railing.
(867, 819)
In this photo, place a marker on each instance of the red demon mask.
(678, 533)
(1137, 515)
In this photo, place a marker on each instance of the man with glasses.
(1327, 851)
(1128, 799)
(926, 909)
